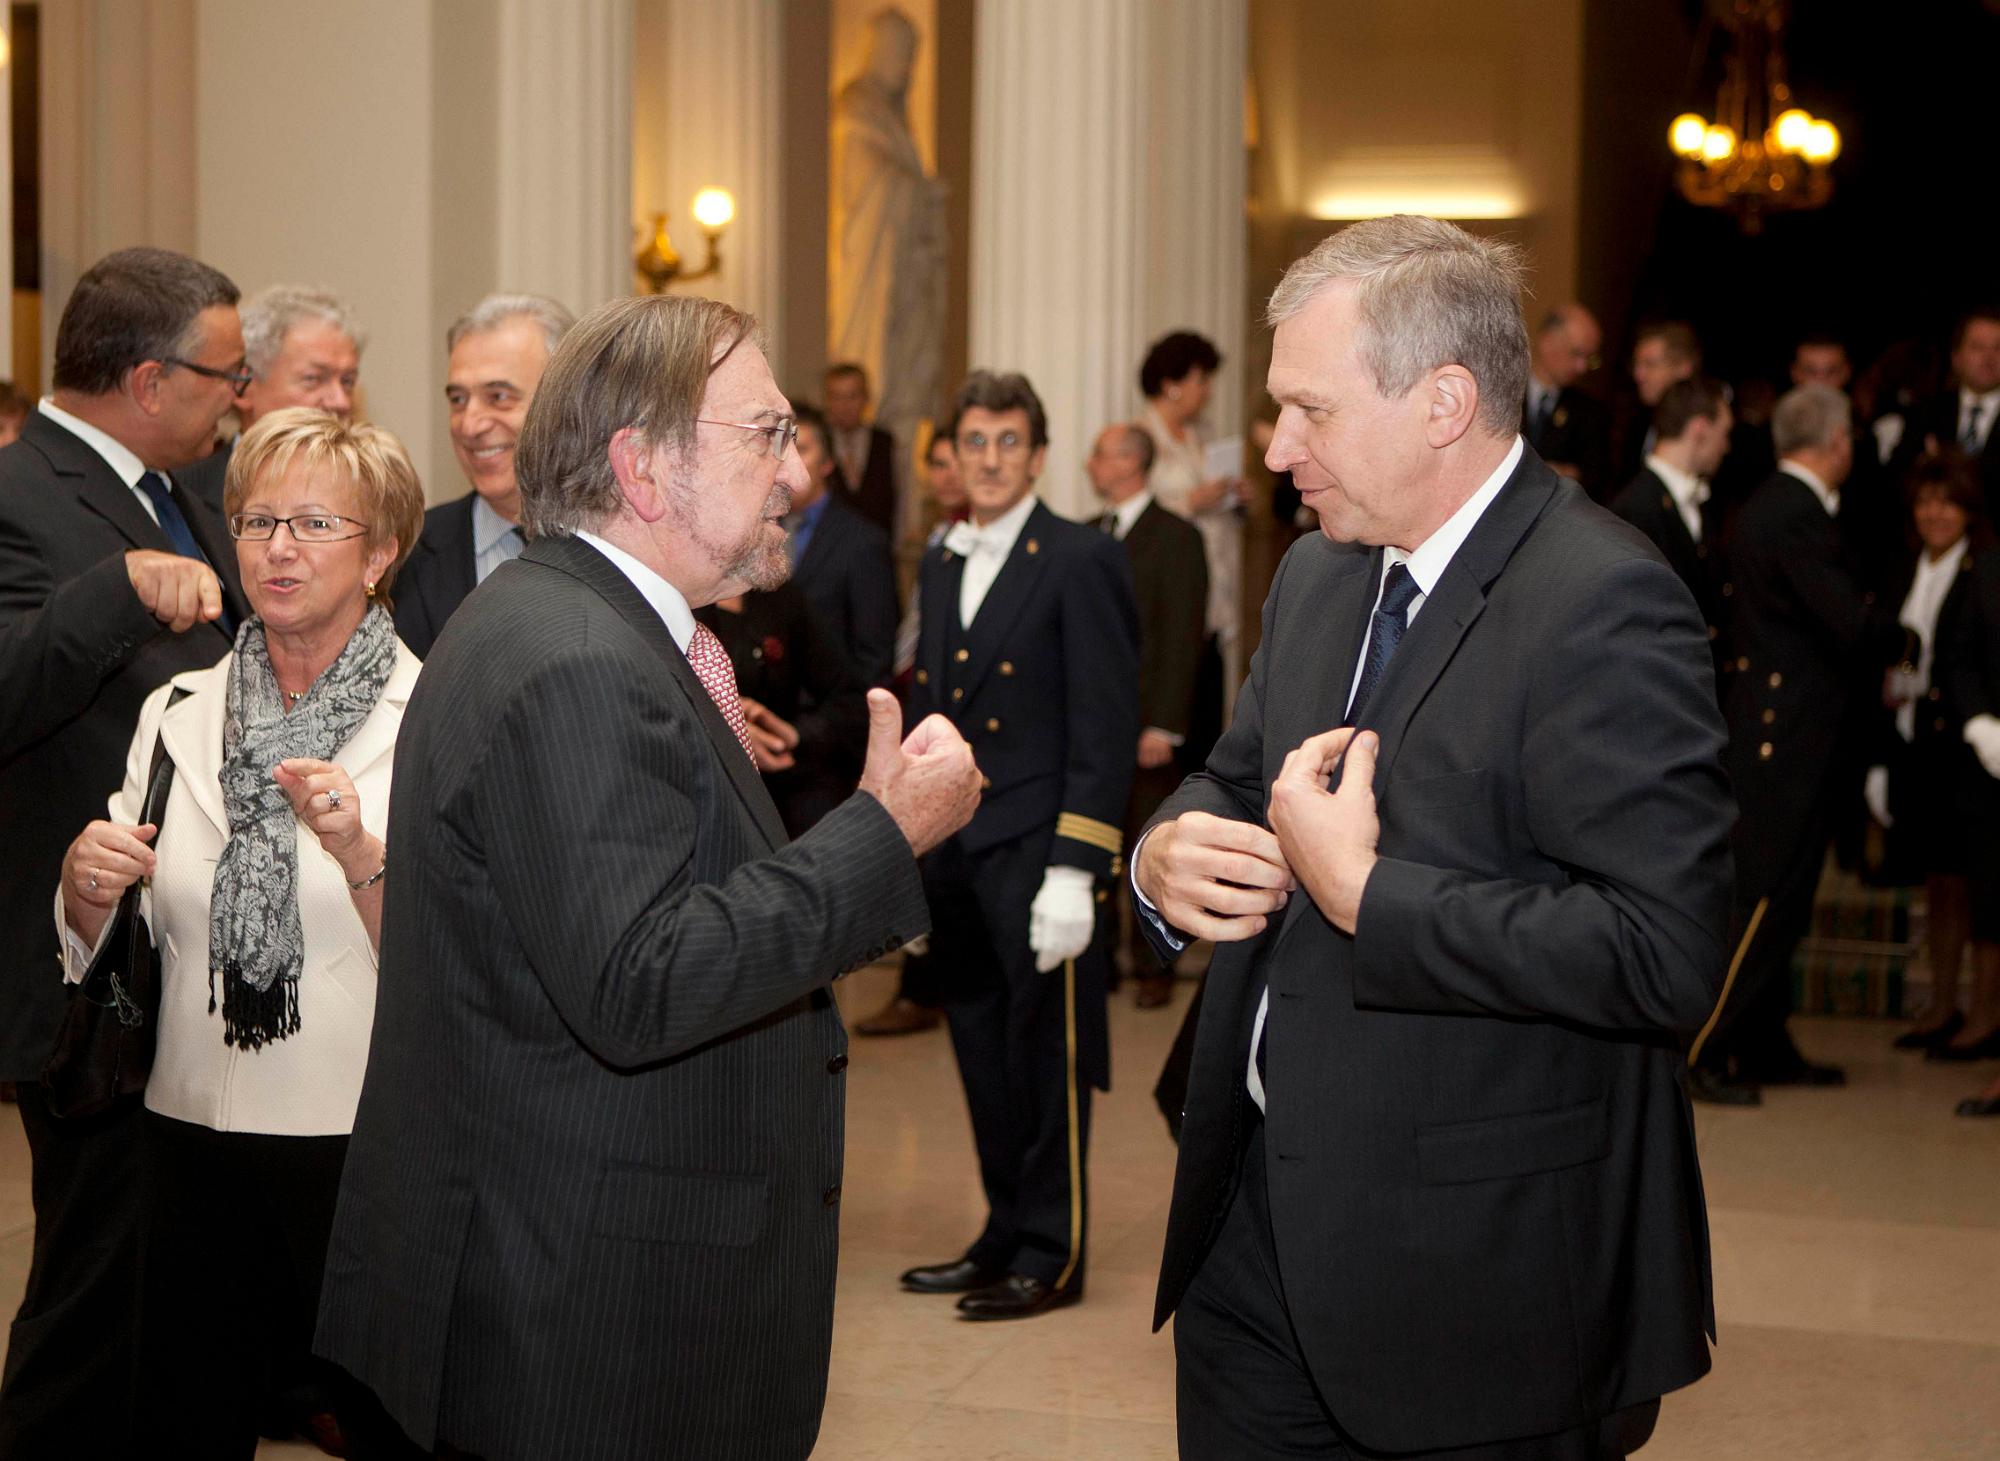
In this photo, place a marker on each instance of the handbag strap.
(160, 775)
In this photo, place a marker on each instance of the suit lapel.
(1009, 595)
(592, 568)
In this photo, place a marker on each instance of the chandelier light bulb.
(1822, 144)
(713, 208)
(1687, 133)
(1718, 144)
(1792, 129)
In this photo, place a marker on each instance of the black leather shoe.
(1016, 1297)
(1719, 1089)
(1803, 1073)
(960, 1276)
(1979, 1106)
(1933, 1037)
(1985, 1048)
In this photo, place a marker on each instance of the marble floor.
(1857, 1260)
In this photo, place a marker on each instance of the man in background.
(1664, 353)
(495, 358)
(841, 561)
(1570, 428)
(864, 456)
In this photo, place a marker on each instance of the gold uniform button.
(963, 655)
(1770, 716)
(1006, 667)
(1764, 752)
(923, 677)
(1776, 679)
(958, 692)
(1936, 694)
(1729, 590)
(1742, 664)
(1714, 633)
(1033, 546)
(993, 725)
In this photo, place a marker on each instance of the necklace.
(295, 696)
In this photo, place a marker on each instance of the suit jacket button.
(993, 725)
(1742, 663)
(836, 1065)
(1729, 590)
(1776, 679)
(923, 677)
(963, 655)
(1006, 667)
(958, 692)
(831, 1195)
(1764, 752)
(1770, 716)
(1936, 694)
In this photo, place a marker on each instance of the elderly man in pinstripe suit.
(591, 1205)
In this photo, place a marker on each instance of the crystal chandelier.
(1762, 153)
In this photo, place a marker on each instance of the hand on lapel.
(1213, 877)
(1329, 836)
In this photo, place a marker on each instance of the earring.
(371, 590)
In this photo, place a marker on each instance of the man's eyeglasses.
(778, 435)
(260, 527)
(237, 378)
(974, 443)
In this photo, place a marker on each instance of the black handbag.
(104, 1050)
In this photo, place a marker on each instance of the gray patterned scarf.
(254, 939)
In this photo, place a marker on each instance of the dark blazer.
(1649, 506)
(1484, 1193)
(441, 571)
(78, 656)
(1060, 613)
(849, 577)
(1930, 774)
(204, 478)
(1803, 649)
(1170, 585)
(874, 496)
(590, 1207)
(1578, 433)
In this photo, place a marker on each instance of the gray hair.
(496, 309)
(1430, 294)
(274, 312)
(1809, 416)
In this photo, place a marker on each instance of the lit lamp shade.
(1718, 144)
(1687, 133)
(714, 208)
(1822, 143)
(1791, 129)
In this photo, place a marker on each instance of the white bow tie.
(966, 539)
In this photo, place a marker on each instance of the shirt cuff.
(77, 956)
(1166, 735)
(1139, 900)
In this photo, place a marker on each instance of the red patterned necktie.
(711, 666)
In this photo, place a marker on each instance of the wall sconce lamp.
(660, 265)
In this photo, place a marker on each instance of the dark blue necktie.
(172, 522)
(1385, 632)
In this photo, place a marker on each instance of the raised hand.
(1329, 836)
(927, 782)
(1213, 877)
(773, 738)
(325, 800)
(179, 592)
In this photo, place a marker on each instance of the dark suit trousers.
(71, 1357)
(236, 1232)
(1767, 931)
(1245, 1390)
(1014, 1030)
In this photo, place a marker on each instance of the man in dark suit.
(1800, 637)
(1028, 640)
(1669, 500)
(496, 355)
(1169, 585)
(112, 580)
(1964, 416)
(841, 562)
(864, 456)
(590, 1207)
(301, 347)
(1436, 1081)
(1665, 352)
(1569, 428)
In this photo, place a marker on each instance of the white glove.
(1875, 792)
(1062, 917)
(1982, 733)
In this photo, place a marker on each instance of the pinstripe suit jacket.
(590, 1206)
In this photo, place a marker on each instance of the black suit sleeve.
(833, 713)
(1100, 634)
(1170, 653)
(59, 644)
(1972, 659)
(1625, 793)
(643, 961)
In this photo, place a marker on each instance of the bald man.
(1569, 428)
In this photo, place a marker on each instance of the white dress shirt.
(1129, 512)
(1975, 414)
(1688, 491)
(985, 551)
(667, 601)
(1919, 615)
(494, 539)
(118, 456)
(1828, 498)
(1426, 565)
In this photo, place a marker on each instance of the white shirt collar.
(1686, 489)
(666, 600)
(488, 527)
(1984, 400)
(1128, 512)
(1828, 498)
(118, 456)
(997, 537)
(1434, 554)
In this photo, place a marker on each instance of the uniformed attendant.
(1028, 641)
(1801, 633)
(1668, 500)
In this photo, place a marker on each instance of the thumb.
(885, 729)
(1357, 769)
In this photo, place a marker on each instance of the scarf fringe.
(251, 1017)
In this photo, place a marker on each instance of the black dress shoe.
(960, 1276)
(1933, 1037)
(1801, 1073)
(1979, 1106)
(1720, 1089)
(1016, 1297)
(1986, 1047)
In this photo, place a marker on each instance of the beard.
(760, 558)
